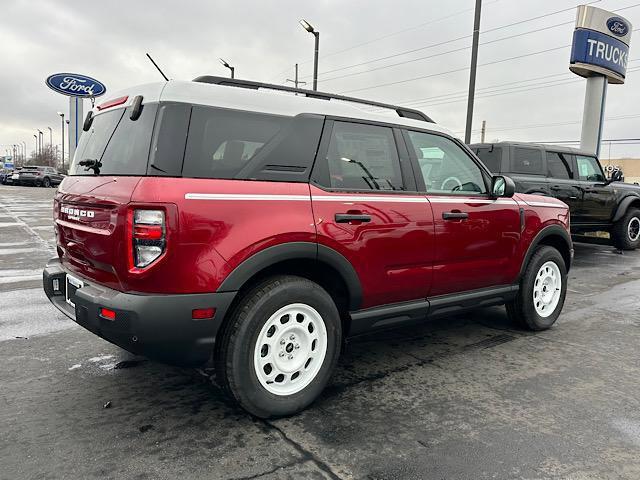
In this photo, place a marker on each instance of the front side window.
(589, 169)
(363, 157)
(445, 166)
(558, 165)
(527, 161)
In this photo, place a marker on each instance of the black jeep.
(575, 177)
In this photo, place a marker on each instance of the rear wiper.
(90, 164)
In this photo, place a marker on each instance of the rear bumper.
(29, 180)
(157, 326)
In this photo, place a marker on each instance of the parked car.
(222, 219)
(39, 176)
(12, 177)
(576, 178)
(5, 173)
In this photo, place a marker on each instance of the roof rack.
(233, 82)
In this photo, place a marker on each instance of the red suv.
(259, 226)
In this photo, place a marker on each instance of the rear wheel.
(280, 346)
(626, 231)
(542, 292)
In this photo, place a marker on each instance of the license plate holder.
(72, 285)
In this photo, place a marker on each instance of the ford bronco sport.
(237, 221)
(576, 178)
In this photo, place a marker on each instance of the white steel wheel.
(290, 349)
(547, 289)
(633, 229)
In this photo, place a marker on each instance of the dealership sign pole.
(77, 87)
(600, 53)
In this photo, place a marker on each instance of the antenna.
(156, 65)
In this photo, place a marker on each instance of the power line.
(461, 69)
(445, 53)
(523, 88)
(404, 52)
(398, 32)
(455, 70)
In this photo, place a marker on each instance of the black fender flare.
(296, 251)
(624, 205)
(548, 231)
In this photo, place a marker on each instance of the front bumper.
(157, 326)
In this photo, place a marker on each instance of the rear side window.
(119, 143)
(558, 165)
(491, 157)
(363, 157)
(222, 142)
(527, 161)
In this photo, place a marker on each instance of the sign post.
(75, 123)
(76, 87)
(600, 53)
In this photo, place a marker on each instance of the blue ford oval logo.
(617, 26)
(75, 85)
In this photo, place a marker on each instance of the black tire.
(46, 183)
(522, 309)
(234, 355)
(625, 233)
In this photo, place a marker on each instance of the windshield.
(115, 144)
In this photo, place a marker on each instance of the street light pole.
(472, 74)
(226, 64)
(309, 28)
(36, 137)
(62, 137)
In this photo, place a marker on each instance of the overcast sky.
(263, 40)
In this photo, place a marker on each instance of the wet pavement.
(469, 397)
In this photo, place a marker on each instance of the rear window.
(119, 143)
(491, 157)
(527, 161)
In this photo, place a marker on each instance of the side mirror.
(617, 176)
(502, 186)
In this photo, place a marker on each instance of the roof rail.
(234, 82)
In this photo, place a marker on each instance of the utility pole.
(296, 82)
(472, 74)
(483, 131)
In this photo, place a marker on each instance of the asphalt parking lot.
(468, 397)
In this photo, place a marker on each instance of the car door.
(561, 182)
(366, 208)
(598, 198)
(476, 235)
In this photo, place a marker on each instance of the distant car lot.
(468, 397)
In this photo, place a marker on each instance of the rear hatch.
(92, 207)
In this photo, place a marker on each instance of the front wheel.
(626, 231)
(542, 292)
(46, 183)
(280, 346)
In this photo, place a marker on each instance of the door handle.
(573, 198)
(351, 217)
(455, 215)
(555, 188)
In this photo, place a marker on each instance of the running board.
(388, 316)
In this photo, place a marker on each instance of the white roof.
(262, 100)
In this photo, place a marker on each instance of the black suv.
(576, 178)
(40, 176)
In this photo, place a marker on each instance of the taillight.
(148, 233)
